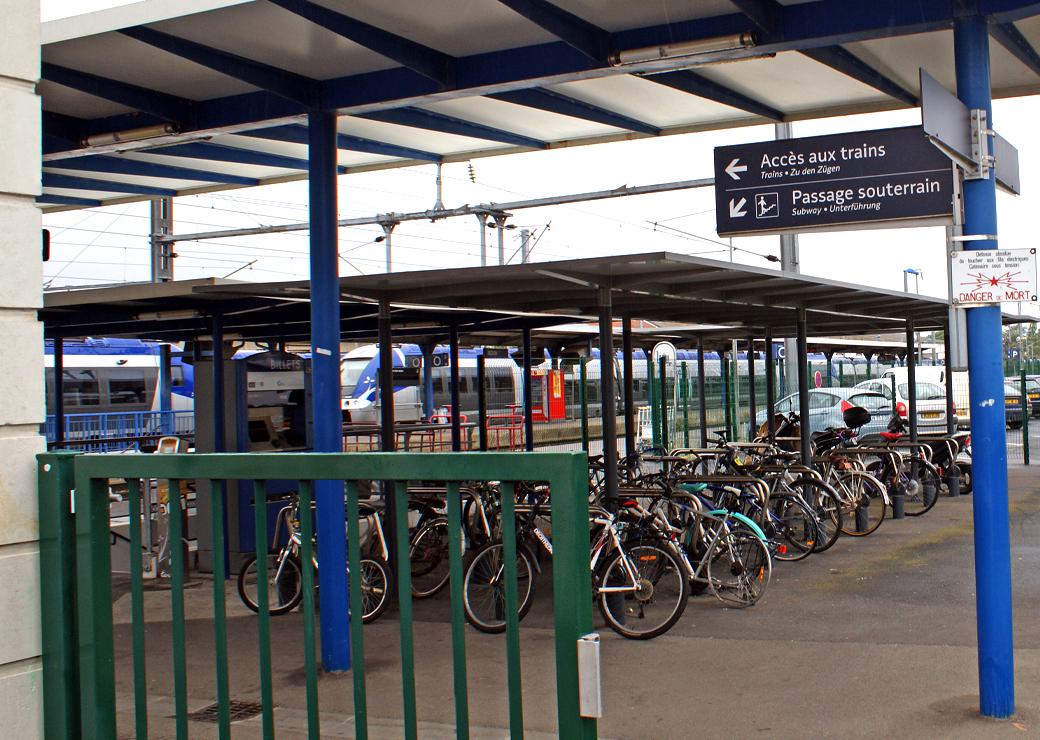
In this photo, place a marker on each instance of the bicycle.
(285, 572)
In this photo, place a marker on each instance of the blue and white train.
(115, 375)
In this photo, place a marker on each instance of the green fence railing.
(79, 667)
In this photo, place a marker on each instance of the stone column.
(21, 366)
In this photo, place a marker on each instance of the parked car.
(826, 406)
(1013, 405)
(931, 400)
(1032, 392)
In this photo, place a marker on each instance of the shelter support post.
(770, 384)
(685, 381)
(166, 389)
(701, 395)
(953, 478)
(583, 399)
(801, 343)
(219, 489)
(453, 369)
(752, 401)
(528, 393)
(629, 380)
(727, 386)
(59, 392)
(911, 378)
(326, 409)
(989, 451)
(387, 438)
(482, 434)
(606, 388)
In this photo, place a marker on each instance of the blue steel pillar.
(325, 381)
(986, 380)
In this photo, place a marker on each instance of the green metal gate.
(75, 557)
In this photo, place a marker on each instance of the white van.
(937, 374)
(931, 395)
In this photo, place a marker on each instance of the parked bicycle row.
(683, 522)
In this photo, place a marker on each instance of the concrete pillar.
(21, 365)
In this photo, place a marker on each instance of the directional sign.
(984, 276)
(827, 182)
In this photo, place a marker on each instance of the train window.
(177, 376)
(438, 384)
(126, 386)
(80, 388)
(502, 382)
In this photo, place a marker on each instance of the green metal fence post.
(572, 591)
(1025, 420)
(685, 406)
(97, 683)
(584, 398)
(59, 634)
(734, 398)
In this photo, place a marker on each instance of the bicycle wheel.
(863, 498)
(654, 602)
(376, 588)
(824, 503)
(284, 583)
(739, 568)
(922, 488)
(429, 558)
(794, 524)
(484, 588)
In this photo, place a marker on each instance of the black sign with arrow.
(850, 180)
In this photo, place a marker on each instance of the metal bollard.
(862, 520)
(898, 496)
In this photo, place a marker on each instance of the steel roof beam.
(844, 61)
(576, 32)
(281, 82)
(1012, 39)
(123, 166)
(804, 26)
(423, 60)
(695, 84)
(50, 199)
(168, 107)
(765, 14)
(554, 102)
(298, 135)
(222, 153)
(72, 182)
(420, 118)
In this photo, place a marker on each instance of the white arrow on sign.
(734, 167)
(737, 208)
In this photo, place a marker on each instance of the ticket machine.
(549, 402)
(266, 409)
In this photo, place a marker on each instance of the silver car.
(931, 401)
(826, 406)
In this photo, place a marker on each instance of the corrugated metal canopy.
(657, 286)
(417, 81)
(185, 309)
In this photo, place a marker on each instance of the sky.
(110, 244)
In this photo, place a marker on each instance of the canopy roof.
(160, 98)
(729, 300)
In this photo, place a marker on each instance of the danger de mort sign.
(853, 180)
(987, 276)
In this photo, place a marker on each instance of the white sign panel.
(986, 276)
